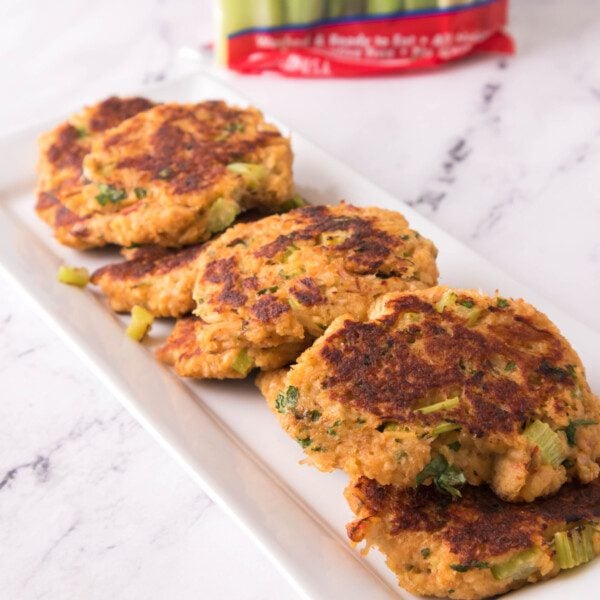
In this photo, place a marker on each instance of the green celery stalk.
(450, 3)
(447, 404)
(444, 428)
(420, 4)
(77, 276)
(298, 12)
(237, 15)
(266, 13)
(575, 547)
(378, 7)
(141, 321)
(336, 8)
(345, 8)
(253, 174)
(448, 299)
(547, 440)
(243, 362)
(221, 214)
(233, 16)
(519, 566)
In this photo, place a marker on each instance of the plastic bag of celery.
(328, 38)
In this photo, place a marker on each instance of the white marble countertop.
(503, 153)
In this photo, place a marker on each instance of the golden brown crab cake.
(485, 387)
(159, 279)
(178, 173)
(478, 546)
(216, 351)
(277, 283)
(62, 151)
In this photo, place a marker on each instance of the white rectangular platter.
(222, 433)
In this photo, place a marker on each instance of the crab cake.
(444, 386)
(62, 151)
(159, 279)
(178, 173)
(218, 351)
(479, 546)
(268, 288)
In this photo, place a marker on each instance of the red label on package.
(373, 44)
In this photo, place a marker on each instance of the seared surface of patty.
(478, 546)
(159, 279)
(60, 164)
(275, 284)
(487, 385)
(178, 173)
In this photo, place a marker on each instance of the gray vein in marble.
(580, 153)
(428, 198)
(456, 155)
(41, 463)
(5, 321)
(575, 156)
(40, 466)
(460, 150)
(495, 214)
(61, 538)
(200, 503)
(490, 90)
(30, 350)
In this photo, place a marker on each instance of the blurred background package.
(329, 38)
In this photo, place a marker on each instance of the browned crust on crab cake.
(280, 281)
(62, 150)
(159, 279)
(155, 178)
(434, 544)
(504, 361)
